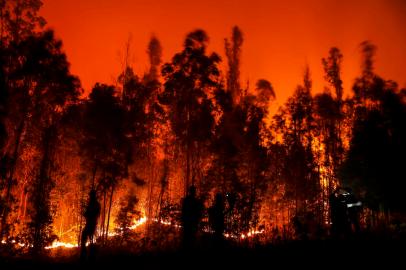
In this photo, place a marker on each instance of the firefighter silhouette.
(344, 209)
(91, 215)
(353, 210)
(216, 218)
(191, 214)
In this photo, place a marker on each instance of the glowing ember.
(251, 234)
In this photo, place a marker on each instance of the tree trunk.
(103, 223)
(4, 214)
(41, 195)
(187, 168)
(80, 214)
(108, 216)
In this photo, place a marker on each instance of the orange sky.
(280, 36)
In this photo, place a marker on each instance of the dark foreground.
(327, 254)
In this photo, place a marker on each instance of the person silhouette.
(216, 219)
(339, 215)
(191, 215)
(91, 215)
(353, 209)
(334, 215)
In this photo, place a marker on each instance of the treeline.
(141, 142)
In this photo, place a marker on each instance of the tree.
(40, 227)
(254, 164)
(105, 146)
(364, 88)
(155, 58)
(3, 99)
(329, 118)
(296, 125)
(44, 99)
(332, 70)
(373, 163)
(233, 53)
(190, 81)
(18, 22)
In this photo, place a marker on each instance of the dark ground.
(363, 253)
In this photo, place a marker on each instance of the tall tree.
(190, 80)
(295, 123)
(332, 71)
(373, 164)
(3, 99)
(329, 116)
(46, 88)
(106, 148)
(233, 53)
(364, 91)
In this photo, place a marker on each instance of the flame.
(57, 244)
(251, 234)
(139, 222)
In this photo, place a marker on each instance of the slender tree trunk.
(21, 201)
(1, 26)
(41, 195)
(82, 189)
(187, 152)
(108, 216)
(150, 190)
(103, 223)
(94, 175)
(25, 206)
(187, 168)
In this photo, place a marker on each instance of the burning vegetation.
(141, 143)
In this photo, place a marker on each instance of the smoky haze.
(280, 37)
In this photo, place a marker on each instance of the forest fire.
(187, 155)
(137, 223)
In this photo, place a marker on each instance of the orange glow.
(281, 37)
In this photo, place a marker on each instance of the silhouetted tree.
(43, 101)
(233, 53)
(373, 164)
(155, 58)
(3, 99)
(296, 124)
(105, 146)
(332, 70)
(19, 20)
(40, 227)
(190, 80)
(366, 87)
